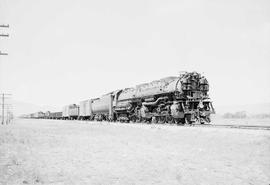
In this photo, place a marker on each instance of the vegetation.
(238, 115)
(243, 114)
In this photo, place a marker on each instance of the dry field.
(73, 152)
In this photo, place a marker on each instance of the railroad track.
(254, 127)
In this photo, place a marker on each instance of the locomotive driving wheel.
(207, 119)
(153, 119)
(179, 121)
(169, 120)
(188, 119)
(162, 119)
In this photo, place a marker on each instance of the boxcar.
(70, 111)
(85, 112)
(56, 115)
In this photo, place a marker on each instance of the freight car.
(47, 115)
(70, 112)
(56, 115)
(85, 112)
(97, 109)
(102, 108)
(37, 115)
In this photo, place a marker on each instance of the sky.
(63, 51)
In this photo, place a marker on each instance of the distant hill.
(20, 108)
(251, 109)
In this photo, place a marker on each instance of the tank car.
(102, 108)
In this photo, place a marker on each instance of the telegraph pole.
(3, 109)
(4, 95)
(5, 105)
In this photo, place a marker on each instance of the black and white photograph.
(134, 92)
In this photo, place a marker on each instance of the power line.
(4, 35)
(1, 53)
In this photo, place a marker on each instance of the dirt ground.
(73, 152)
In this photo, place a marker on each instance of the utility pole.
(5, 106)
(4, 95)
(3, 109)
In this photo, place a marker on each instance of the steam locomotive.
(182, 99)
